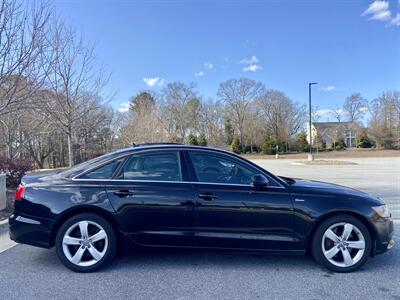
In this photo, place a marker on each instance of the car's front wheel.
(342, 243)
(85, 242)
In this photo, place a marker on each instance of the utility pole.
(310, 155)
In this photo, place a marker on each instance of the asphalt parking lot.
(28, 272)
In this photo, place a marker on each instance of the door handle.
(123, 193)
(208, 196)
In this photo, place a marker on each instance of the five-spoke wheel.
(342, 243)
(85, 242)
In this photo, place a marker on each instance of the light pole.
(310, 156)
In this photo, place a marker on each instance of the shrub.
(192, 140)
(268, 146)
(365, 142)
(201, 140)
(302, 143)
(236, 147)
(15, 169)
(340, 145)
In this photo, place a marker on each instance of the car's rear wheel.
(342, 243)
(85, 242)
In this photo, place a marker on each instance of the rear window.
(104, 172)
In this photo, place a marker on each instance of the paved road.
(28, 272)
(378, 176)
(34, 273)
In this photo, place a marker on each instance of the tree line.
(54, 111)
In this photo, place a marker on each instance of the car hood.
(318, 187)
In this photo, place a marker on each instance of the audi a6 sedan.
(170, 195)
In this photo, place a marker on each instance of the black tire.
(109, 252)
(317, 250)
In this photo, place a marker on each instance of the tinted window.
(161, 166)
(104, 172)
(213, 168)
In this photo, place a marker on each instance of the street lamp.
(310, 156)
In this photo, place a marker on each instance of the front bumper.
(384, 235)
(30, 230)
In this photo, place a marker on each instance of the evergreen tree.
(235, 146)
(268, 146)
(192, 140)
(302, 142)
(201, 140)
(228, 130)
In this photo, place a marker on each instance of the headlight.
(382, 211)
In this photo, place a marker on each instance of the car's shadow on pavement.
(156, 258)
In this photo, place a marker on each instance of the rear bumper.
(384, 239)
(30, 230)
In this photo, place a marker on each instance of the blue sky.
(346, 46)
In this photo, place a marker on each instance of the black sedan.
(168, 195)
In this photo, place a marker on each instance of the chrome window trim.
(178, 149)
(163, 181)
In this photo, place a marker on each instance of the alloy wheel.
(343, 244)
(85, 243)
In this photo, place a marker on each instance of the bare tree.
(337, 113)
(74, 83)
(355, 106)
(23, 30)
(145, 123)
(180, 110)
(211, 122)
(283, 118)
(237, 94)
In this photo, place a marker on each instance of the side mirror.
(260, 181)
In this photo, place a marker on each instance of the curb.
(3, 226)
(5, 242)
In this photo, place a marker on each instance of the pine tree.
(201, 140)
(235, 146)
(192, 140)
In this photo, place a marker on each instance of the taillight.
(20, 192)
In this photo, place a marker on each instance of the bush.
(235, 146)
(340, 145)
(15, 169)
(268, 146)
(192, 140)
(302, 143)
(201, 140)
(365, 142)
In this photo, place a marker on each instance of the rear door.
(231, 213)
(153, 199)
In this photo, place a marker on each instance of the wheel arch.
(356, 215)
(79, 210)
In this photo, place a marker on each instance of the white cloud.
(208, 65)
(396, 20)
(324, 113)
(124, 107)
(249, 61)
(378, 10)
(376, 7)
(252, 68)
(154, 81)
(199, 74)
(328, 88)
(382, 16)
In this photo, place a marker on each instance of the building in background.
(332, 132)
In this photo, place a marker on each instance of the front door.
(231, 213)
(153, 200)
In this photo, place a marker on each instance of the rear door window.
(160, 166)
